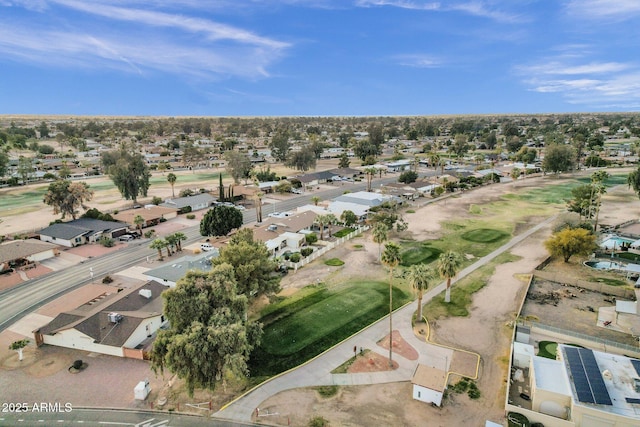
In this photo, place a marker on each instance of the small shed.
(429, 384)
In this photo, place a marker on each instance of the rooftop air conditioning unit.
(145, 293)
(115, 317)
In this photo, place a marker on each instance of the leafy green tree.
(238, 166)
(25, 168)
(407, 177)
(558, 158)
(448, 265)
(348, 218)
(220, 220)
(344, 161)
(633, 181)
(283, 187)
(129, 173)
(460, 145)
(582, 200)
(380, 234)
(209, 341)
(571, 241)
(171, 179)
(66, 197)
(302, 160)
(391, 258)
(515, 174)
(252, 264)
(19, 347)
(264, 175)
(364, 148)
(4, 162)
(420, 277)
(280, 145)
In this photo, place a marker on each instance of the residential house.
(190, 203)
(580, 388)
(169, 273)
(121, 323)
(315, 178)
(359, 203)
(20, 252)
(398, 166)
(401, 190)
(285, 234)
(81, 231)
(151, 214)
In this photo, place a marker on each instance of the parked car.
(126, 238)
(206, 247)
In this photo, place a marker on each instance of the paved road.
(318, 371)
(106, 418)
(20, 300)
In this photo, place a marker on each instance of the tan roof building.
(151, 214)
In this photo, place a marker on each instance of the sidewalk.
(317, 371)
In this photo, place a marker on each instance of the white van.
(206, 247)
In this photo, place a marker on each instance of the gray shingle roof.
(79, 227)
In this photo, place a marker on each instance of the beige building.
(581, 388)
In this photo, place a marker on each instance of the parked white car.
(206, 247)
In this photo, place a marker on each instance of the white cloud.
(593, 84)
(418, 61)
(137, 40)
(603, 9)
(483, 9)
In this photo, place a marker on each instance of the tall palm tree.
(380, 233)
(138, 220)
(172, 243)
(370, 173)
(448, 265)
(420, 277)
(597, 182)
(172, 178)
(391, 258)
(321, 220)
(330, 219)
(179, 238)
(158, 244)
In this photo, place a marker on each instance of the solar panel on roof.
(636, 365)
(587, 379)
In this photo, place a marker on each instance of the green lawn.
(547, 349)
(343, 232)
(422, 253)
(485, 235)
(299, 329)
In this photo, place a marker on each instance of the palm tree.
(321, 220)
(138, 220)
(597, 182)
(330, 219)
(391, 258)
(315, 200)
(420, 276)
(158, 244)
(179, 238)
(434, 159)
(172, 178)
(380, 234)
(172, 242)
(448, 265)
(370, 173)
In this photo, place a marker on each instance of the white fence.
(330, 245)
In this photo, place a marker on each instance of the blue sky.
(318, 57)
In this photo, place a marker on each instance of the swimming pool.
(604, 265)
(615, 242)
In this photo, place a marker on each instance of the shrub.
(155, 200)
(318, 421)
(107, 242)
(107, 279)
(327, 390)
(306, 252)
(191, 216)
(311, 238)
(149, 233)
(334, 262)
(294, 257)
(408, 177)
